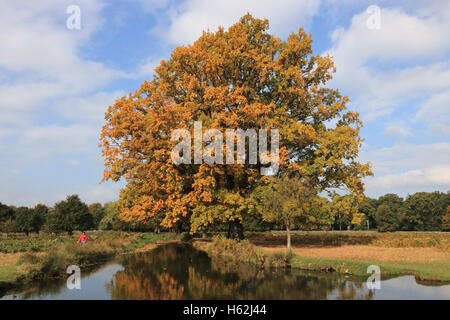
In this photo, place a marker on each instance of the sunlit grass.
(424, 255)
(22, 263)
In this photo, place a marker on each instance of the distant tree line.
(285, 206)
(289, 208)
(66, 216)
(421, 211)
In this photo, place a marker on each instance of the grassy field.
(423, 254)
(24, 259)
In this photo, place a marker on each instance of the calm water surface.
(178, 271)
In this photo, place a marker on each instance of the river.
(178, 271)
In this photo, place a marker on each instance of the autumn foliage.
(244, 78)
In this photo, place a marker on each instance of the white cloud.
(430, 179)
(45, 141)
(52, 101)
(103, 193)
(398, 130)
(42, 59)
(34, 36)
(146, 69)
(20, 191)
(184, 22)
(73, 162)
(7, 132)
(401, 37)
(392, 69)
(408, 168)
(435, 112)
(45, 75)
(191, 17)
(406, 156)
(378, 92)
(404, 60)
(90, 108)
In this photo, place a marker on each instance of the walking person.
(83, 239)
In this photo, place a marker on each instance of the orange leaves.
(244, 78)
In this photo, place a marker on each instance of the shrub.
(29, 258)
(52, 264)
(237, 252)
(279, 260)
(186, 236)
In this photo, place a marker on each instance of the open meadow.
(423, 254)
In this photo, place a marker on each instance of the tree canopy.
(6, 212)
(98, 212)
(70, 214)
(289, 202)
(424, 210)
(243, 78)
(446, 220)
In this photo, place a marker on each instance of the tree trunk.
(235, 230)
(178, 228)
(288, 234)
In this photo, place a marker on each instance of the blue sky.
(56, 83)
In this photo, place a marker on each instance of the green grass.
(32, 243)
(148, 238)
(60, 251)
(17, 272)
(437, 271)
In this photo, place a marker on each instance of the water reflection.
(178, 271)
(92, 286)
(181, 272)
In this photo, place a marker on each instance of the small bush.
(29, 258)
(237, 252)
(53, 264)
(280, 260)
(186, 236)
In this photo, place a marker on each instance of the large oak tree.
(243, 78)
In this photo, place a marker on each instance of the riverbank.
(26, 259)
(424, 255)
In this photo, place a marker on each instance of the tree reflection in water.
(182, 272)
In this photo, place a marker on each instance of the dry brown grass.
(394, 247)
(9, 258)
(440, 240)
(367, 252)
